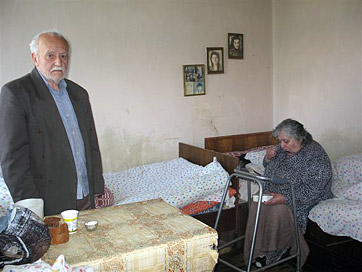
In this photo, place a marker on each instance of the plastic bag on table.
(24, 237)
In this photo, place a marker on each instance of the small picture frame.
(194, 79)
(235, 46)
(215, 60)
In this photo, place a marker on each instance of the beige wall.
(302, 60)
(129, 55)
(317, 70)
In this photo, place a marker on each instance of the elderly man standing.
(48, 142)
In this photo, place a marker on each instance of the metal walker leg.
(258, 180)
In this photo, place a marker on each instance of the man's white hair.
(34, 44)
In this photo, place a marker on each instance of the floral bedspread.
(178, 182)
(342, 215)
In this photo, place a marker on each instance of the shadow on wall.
(339, 143)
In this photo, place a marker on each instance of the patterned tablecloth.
(143, 236)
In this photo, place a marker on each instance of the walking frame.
(250, 177)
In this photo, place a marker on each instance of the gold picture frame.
(194, 79)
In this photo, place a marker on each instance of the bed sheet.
(340, 217)
(178, 182)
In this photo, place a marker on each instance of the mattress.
(178, 182)
(142, 236)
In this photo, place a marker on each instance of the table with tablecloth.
(143, 236)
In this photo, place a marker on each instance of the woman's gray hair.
(293, 129)
(34, 44)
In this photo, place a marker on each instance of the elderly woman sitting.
(306, 165)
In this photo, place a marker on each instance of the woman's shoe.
(260, 262)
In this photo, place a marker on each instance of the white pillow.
(347, 177)
(354, 192)
(256, 157)
(349, 168)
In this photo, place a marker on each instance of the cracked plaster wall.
(302, 60)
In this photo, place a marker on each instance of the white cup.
(34, 204)
(70, 217)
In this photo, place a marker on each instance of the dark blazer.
(35, 154)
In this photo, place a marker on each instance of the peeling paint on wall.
(214, 128)
(204, 119)
(124, 149)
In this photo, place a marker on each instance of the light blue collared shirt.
(75, 138)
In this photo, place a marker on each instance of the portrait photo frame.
(235, 46)
(215, 60)
(194, 79)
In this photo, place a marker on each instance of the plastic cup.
(70, 217)
(34, 204)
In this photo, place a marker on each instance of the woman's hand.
(270, 153)
(277, 199)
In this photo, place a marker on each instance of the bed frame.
(233, 221)
(229, 226)
(240, 142)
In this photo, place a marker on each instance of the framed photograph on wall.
(194, 79)
(235, 46)
(215, 60)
